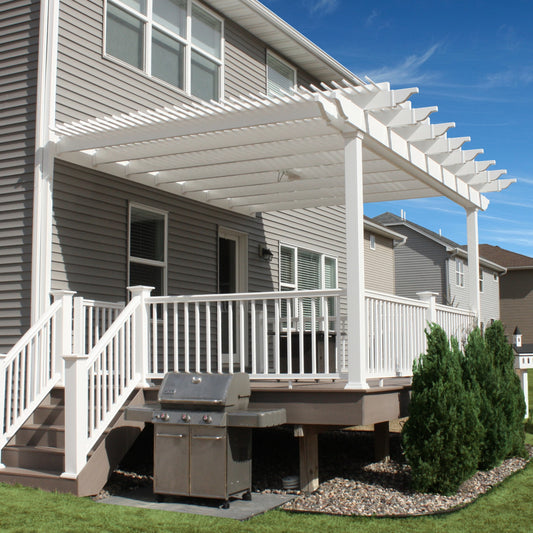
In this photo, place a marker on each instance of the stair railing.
(98, 384)
(30, 370)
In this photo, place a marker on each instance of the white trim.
(143, 261)
(41, 268)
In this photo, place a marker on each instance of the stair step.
(42, 479)
(34, 457)
(56, 397)
(40, 435)
(50, 415)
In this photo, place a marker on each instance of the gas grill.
(203, 435)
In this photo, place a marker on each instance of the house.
(186, 179)
(429, 261)
(516, 290)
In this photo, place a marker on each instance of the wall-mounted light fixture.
(265, 253)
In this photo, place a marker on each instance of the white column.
(523, 380)
(76, 407)
(355, 261)
(142, 325)
(473, 261)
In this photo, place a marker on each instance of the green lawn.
(507, 508)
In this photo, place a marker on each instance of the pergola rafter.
(257, 153)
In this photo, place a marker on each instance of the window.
(175, 41)
(302, 269)
(459, 272)
(481, 278)
(372, 242)
(281, 78)
(147, 248)
(495, 276)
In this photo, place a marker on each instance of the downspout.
(44, 159)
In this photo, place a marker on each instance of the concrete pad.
(239, 509)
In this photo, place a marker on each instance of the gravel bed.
(351, 483)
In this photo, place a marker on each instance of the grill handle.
(180, 436)
(208, 437)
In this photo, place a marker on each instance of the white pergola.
(341, 144)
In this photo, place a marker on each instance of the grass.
(507, 508)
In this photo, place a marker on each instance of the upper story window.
(147, 248)
(176, 41)
(281, 77)
(372, 241)
(481, 280)
(459, 272)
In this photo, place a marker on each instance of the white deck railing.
(455, 322)
(29, 371)
(395, 329)
(269, 335)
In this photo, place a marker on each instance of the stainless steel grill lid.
(214, 391)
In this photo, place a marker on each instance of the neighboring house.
(429, 261)
(210, 151)
(516, 290)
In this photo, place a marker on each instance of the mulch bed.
(351, 483)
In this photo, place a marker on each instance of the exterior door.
(232, 278)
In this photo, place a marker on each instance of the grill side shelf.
(257, 418)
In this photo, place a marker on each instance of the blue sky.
(474, 60)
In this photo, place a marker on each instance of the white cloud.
(322, 6)
(407, 71)
(515, 77)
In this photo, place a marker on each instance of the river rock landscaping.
(351, 483)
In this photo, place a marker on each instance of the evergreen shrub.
(441, 438)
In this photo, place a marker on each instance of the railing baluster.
(219, 337)
(230, 336)
(155, 351)
(164, 340)
(197, 332)
(186, 335)
(289, 335)
(253, 332)
(276, 335)
(313, 337)
(265, 337)
(242, 336)
(176, 338)
(326, 335)
(301, 332)
(208, 337)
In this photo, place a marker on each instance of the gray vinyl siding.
(89, 84)
(420, 265)
(516, 303)
(19, 40)
(90, 237)
(489, 298)
(379, 264)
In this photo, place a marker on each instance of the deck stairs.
(35, 454)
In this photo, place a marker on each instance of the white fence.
(455, 322)
(288, 335)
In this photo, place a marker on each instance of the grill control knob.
(207, 419)
(185, 417)
(164, 416)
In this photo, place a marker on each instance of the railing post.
(431, 299)
(64, 329)
(141, 335)
(76, 407)
(79, 331)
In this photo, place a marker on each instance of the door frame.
(241, 252)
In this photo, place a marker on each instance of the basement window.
(147, 257)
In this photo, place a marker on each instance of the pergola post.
(355, 261)
(473, 261)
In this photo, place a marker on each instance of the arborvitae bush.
(513, 403)
(442, 435)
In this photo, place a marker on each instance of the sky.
(474, 60)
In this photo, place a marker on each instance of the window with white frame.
(481, 280)
(459, 272)
(302, 269)
(147, 259)
(372, 241)
(281, 77)
(176, 41)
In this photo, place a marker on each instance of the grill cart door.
(171, 459)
